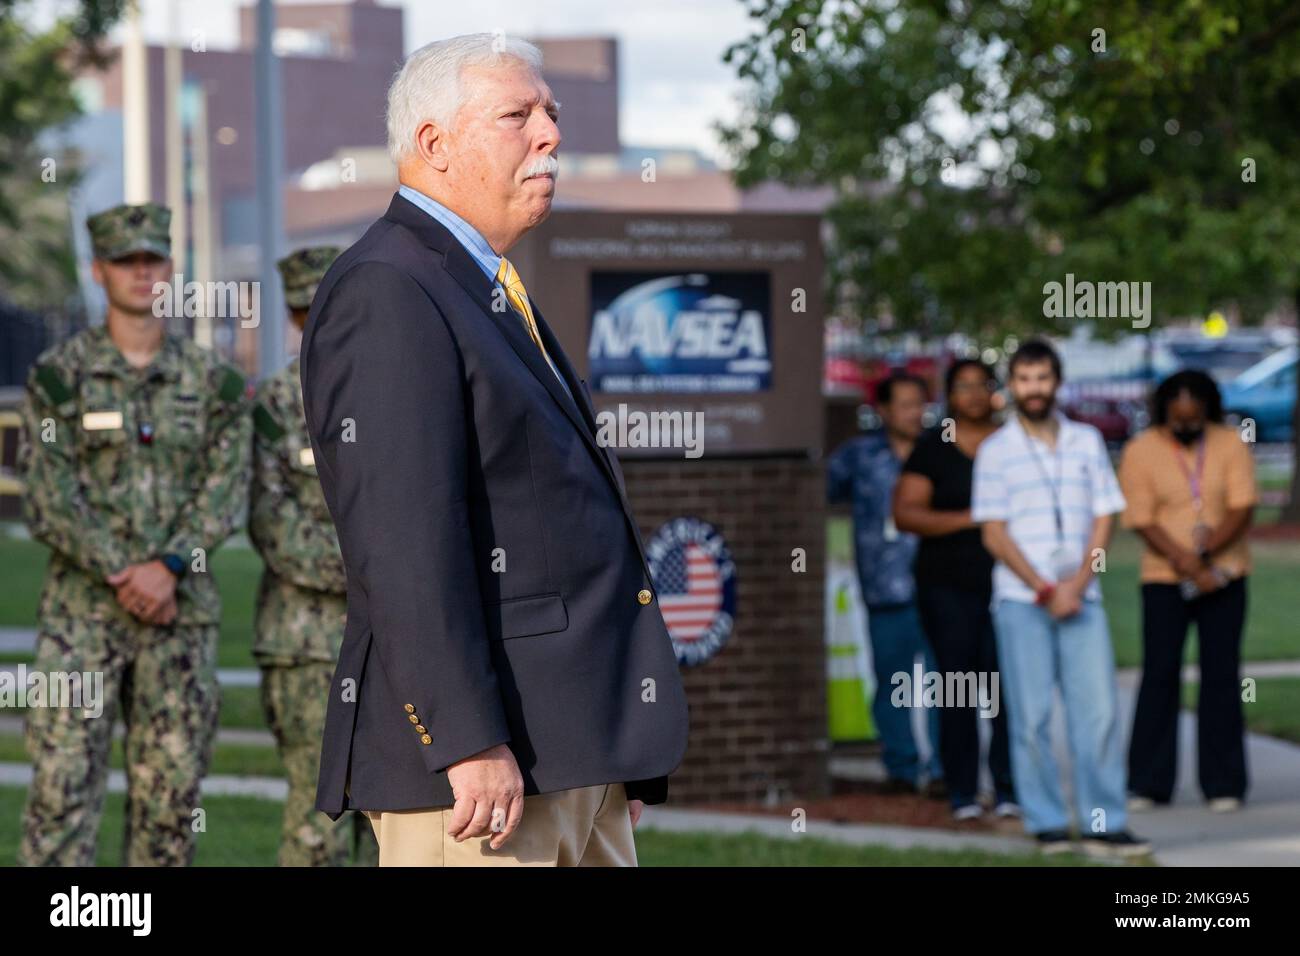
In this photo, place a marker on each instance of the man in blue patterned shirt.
(863, 471)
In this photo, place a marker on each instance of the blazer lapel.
(462, 267)
(556, 352)
(589, 413)
(471, 278)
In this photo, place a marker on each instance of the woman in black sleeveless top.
(954, 580)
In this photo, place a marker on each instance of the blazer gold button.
(410, 708)
(426, 740)
(413, 719)
(420, 728)
(644, 596)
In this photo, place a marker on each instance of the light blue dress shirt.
(474, 244)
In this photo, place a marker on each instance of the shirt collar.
(465, 234)
(878, 442)
(106, 358)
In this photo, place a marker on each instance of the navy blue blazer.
(498, 590)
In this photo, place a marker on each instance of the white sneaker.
(1008, 810)
(1139, 804)
(1224, 804)
(970, 811)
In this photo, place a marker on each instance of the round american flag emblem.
(695, 580)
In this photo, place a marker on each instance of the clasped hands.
(146, 591)
(1190, 567)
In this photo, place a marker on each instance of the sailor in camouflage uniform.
(302, 604)
(136, 455)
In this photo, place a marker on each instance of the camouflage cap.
(302, 271)
(125, 229)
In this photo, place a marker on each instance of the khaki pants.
(587, 826)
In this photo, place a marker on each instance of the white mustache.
(543, 165)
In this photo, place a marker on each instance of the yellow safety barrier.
(848, 674)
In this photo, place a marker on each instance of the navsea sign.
(716, 319)
(680, 332)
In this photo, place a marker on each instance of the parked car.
(1112, 417)
(1265, 393)
(1116, 407)
(1222, 359)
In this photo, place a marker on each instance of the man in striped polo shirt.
(1045, 497)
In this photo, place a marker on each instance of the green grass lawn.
(1271, 635)
(240, 831)
(1271, 632)
(238, 570)
(1275, 711)
(241, 708)
(244, 831)
(233, 759)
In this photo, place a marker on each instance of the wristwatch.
(174, 564)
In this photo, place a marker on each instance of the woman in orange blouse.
(1189, 483)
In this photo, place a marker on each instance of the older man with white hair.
(507, 692)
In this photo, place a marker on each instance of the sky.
(674, 85)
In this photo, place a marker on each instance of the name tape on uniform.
(99, 421)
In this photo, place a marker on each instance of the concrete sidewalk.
(852, 834)
(1265, 832)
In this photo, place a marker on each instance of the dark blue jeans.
(896, 640)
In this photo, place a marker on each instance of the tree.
(983, 149)
(37, 68)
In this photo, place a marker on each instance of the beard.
(1037, 412)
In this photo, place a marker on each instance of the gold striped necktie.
(518, 296)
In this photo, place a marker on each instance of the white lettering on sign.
(695, 334)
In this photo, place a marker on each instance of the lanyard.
(1047, 479)
(1193, 478)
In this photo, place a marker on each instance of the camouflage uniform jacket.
(122, 465)
(302, 604)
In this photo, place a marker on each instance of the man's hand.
(147, 591)
(1066, 600)
(166, 614)
(489, 792)
(634, 808)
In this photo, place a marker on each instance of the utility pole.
(270, 198)
(135, 111)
